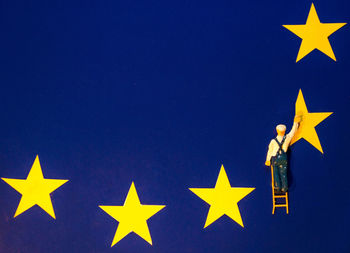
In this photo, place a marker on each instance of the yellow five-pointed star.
(35, 190)
(132, 216)
(309, 122)
(314, 35)
(223, 199)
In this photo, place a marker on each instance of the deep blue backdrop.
(162, 93)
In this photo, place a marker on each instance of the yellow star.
(223, 199)
(35, 190)
(309, 122)
(132, 216)
(314, 35)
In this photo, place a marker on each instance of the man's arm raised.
(297, 120)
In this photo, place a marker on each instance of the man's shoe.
(284, 190)
(277, 191)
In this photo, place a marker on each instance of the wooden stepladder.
(276, 197)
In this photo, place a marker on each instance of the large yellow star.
(132, 216)
(309, 122)
(314, 35)
(35, 190)
(223, 199)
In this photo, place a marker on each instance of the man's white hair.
(281, 128)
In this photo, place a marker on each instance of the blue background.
(162, 93)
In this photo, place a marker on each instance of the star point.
(132, 216)
(223, 199)
(309, 121)
(35, 190)
(314, 35)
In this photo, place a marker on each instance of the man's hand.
(298, 118)
(267, 163)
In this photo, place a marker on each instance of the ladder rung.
(279, 196)
(281, 205)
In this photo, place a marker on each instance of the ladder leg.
(273, 191)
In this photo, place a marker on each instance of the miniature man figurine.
(277, 157)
